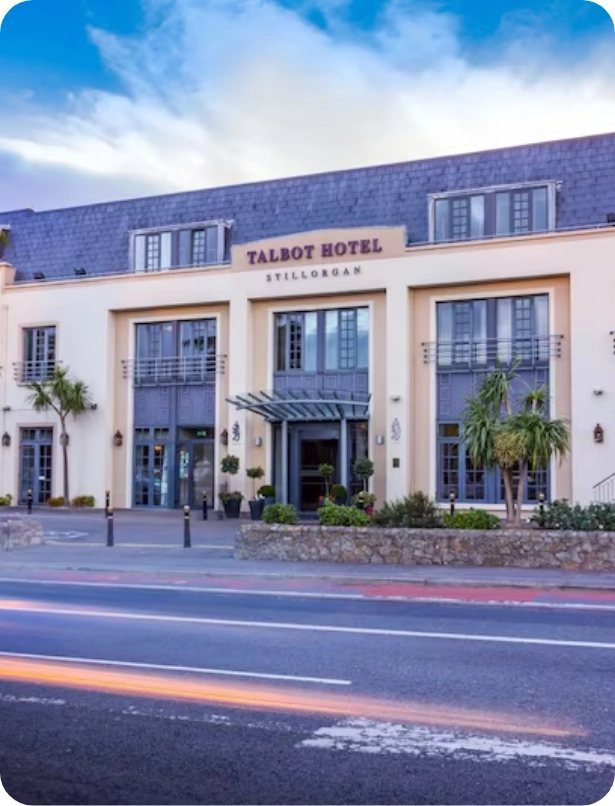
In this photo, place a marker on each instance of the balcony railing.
(488, 352)
(175, 371)
(604, 491)
(26, 372)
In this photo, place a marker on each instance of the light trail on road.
(175, 687)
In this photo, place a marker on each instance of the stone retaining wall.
(18, 532)
(512, 548)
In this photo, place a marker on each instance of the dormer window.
(492, 212)
(183, 246)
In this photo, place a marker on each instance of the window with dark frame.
(39, 353)
(196, 245)
(468, 216)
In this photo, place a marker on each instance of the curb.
(345, 579)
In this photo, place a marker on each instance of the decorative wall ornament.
(395, 430)
(236, 432)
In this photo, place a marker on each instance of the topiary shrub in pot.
(339, 494)
(326, 471)
(256, 504)
(364, 469)
(231, 501)
(267, 493)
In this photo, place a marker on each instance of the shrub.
(364, 499)
(254, 473)
(5, 500)
(471, 519)
(280, 513)
(83, 501)
(338, 491)
(336, 515)
(55, 502)
(562, 515)
(267, 491)
(413, 512)
(224, 497)
(363, 468)
(230, 464)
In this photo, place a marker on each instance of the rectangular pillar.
(284, 463)
(344, 452)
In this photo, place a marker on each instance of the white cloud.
(239, 90)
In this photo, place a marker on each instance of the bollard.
(452, 500)
(541, 500)
(107, 503)
(186, 527)
(29, 500)
(204, 506)
(110, 536)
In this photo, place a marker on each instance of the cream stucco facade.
(95, 319)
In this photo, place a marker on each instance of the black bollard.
(452, 500)
(29, 499)
(186, 527)
(204, 506)
(541, 499)
(110, 536)
(107, 502)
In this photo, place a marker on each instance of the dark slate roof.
(96, 236)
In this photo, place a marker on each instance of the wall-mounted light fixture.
(598, 433)
(224, 437)
(6, 440)
(598, 392)
(395, 398)
(379, 439)
(118, 439)
(258, 441)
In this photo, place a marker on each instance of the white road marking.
(37, 700)
(314, 595)
(274, 625)
(167, 668)
(367, 736)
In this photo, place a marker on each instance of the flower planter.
(256, 508)
(232, 507)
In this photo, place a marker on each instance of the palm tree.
(65, 396)
(494, 434)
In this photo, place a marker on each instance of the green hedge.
(561, 515)
(280, 513)
(471, 519)
(416, 511)
(336, 515)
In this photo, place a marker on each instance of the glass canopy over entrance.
(310, 427)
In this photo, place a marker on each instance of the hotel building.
(315, 319)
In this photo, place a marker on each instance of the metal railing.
(175, 370)
(488, 352)
(604, 491)
(26, 372)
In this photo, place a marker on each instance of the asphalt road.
(148, 696)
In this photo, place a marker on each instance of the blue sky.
(113, 98)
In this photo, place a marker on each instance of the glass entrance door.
(313, 453)
(152, 458)
(195, 471)
(35, 464)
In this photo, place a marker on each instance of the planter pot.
(341, 502)
(256, 509)
(232, 507)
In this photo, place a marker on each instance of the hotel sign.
(313, 252)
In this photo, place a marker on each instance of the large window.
(39, 354)
(329, 340)
(475, 333)
(173, 351)
(494, 212)
(182, 247)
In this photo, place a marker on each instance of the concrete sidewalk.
(207, 561)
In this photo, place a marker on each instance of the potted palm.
(256, 504)
(231, 501)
